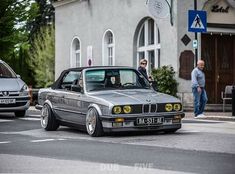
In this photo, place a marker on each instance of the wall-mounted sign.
(158, 8)
(89, 56)
(195, 44)
(219, 9)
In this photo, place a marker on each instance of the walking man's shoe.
(200, 116)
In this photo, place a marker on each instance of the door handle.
(218, 77)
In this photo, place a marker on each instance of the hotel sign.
(219, 9)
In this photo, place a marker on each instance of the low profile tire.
(20, 113)
(170, 131)
(48, 120)
(93, 124)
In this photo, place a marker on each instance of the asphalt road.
(199, 147)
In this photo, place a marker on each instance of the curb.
(221, 116)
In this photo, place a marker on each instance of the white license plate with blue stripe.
(149, 121)
(7, 101)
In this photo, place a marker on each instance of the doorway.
(218, 52)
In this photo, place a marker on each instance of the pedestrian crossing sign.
(197, 21)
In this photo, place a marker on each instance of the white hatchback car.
(14, 93)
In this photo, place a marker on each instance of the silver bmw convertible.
(107, 99)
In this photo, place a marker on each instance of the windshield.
(111, 79)
(6, 71)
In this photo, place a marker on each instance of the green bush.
(165, 78)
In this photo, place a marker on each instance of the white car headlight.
(24, 91)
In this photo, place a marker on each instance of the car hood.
(142, 96)
(11, 84)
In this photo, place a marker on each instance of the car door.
(65, 100)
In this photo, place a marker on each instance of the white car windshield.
(6, 71)
(112, 79)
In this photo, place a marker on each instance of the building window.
(75, 58)
(108, 49)
(148, 44)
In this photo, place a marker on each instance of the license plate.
(7, 101)
(149, 121)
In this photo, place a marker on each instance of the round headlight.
(127, 109)
(177, 107)
(168, 107)
(117, 109)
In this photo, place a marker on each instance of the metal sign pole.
(196, 50)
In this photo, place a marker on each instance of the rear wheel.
(93, 124)
(20, 113)
(48, 120)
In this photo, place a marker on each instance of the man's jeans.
(200, 100)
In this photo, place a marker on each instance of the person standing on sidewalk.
(198, 89)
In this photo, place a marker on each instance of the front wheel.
(93, 124)
(48, 120)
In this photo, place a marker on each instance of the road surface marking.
(3, 120)
(30, 119)
(45, 140)
(5, 142)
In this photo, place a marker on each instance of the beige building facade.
(121, 32)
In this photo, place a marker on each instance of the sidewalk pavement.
(220, 116)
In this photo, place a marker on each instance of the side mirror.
(76, 88)
(18, 76)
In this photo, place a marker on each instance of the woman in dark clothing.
(142, 68)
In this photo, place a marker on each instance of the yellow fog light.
(117, 110)
(127, 109)
(119, 120)
(177, 107)
(168, 107)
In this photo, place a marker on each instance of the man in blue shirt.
(198, 89)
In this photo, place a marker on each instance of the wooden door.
(218, 52)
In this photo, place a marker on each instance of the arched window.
(148, 44)
(108, 49)
(75, 58)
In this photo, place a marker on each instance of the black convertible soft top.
(56, 84)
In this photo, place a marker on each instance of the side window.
(69, 79)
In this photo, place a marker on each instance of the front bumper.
(145, 128)
(169, 121)
(21, 103)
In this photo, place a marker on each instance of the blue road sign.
(197, 21)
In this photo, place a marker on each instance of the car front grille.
(9, 93)
(148, 108)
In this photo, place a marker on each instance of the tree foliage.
(12, 14)
(45, 15)
(20, 23)
(42, 56)
(165, 78)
